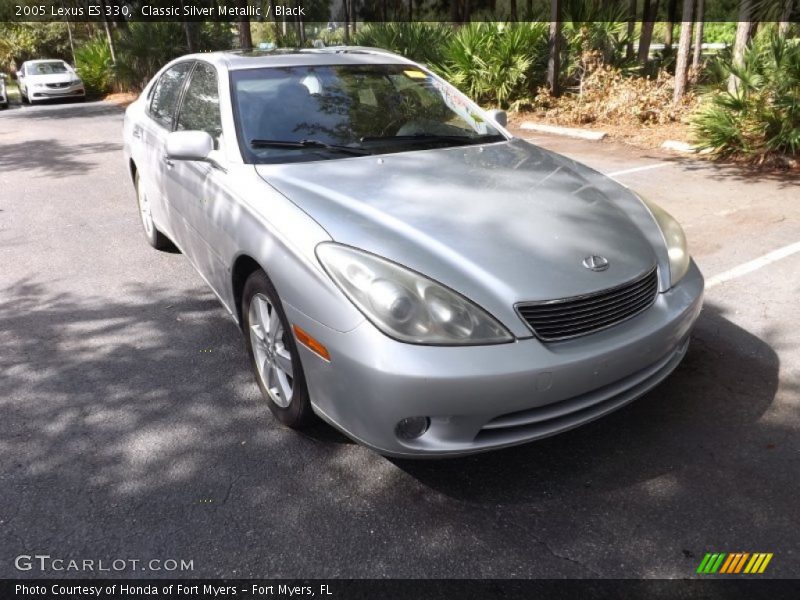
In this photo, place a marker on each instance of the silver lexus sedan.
(401, 265)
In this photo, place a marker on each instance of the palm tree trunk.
(554, 48)
(740, 44)
(698, 35)
(684, 46)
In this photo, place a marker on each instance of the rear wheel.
(154, 237)
(273, 353)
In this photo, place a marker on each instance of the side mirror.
(18, 75)
(498, 116)
(189, 145)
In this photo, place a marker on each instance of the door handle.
(137, 132)
(168, 161)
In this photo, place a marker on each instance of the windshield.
(309, 113)
(47, 68)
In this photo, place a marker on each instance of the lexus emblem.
(595, 263)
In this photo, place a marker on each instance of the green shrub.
(421, 42)
(95, 67)
(497, 63)
(719, 33)
(760, 118)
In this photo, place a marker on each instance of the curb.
(683, 147)
(678, 146)
(583, 134)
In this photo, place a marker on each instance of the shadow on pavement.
(134, 427)
(64, 109)
(729, 171)
(712, 402)
(52, 158)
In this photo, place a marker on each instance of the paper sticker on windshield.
(415, 74)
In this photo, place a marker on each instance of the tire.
(286, 395)
(154, 237)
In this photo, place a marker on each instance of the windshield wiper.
(431, 137)
(308, 144)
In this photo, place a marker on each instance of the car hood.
(501, 223)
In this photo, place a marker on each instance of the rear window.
(167, 92)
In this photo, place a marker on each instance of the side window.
(200, 108)
(167, 91)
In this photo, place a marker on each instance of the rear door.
(151, 133)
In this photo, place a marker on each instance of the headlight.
(677, 249)
(75, 82)
(37, 86)
(406, 305)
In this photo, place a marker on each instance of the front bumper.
(484, 397)
(47, 93)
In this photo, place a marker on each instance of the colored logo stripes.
(734, 562)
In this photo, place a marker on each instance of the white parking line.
(637, 169)
(753, 265)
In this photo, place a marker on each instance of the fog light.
(412, 428)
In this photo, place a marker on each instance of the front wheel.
(273, 352)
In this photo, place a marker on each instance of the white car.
(48, 79)
(3, 91)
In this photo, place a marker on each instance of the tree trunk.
(455, 12)
(631, 29)
(785, 22)
(245, 36)
(698, 35)
(672, 7)
(514, 10)
(187, 30)
(742, 37)
(684, 46)
(410, 10)
(554, 48)
(347, 22)
(108, 33)
(71, 44)
(648, 22)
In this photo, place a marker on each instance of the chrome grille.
(58, 85)
(571, 317)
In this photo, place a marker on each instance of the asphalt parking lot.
(130, 426)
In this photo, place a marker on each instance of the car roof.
(44, 60)
(337, 55)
